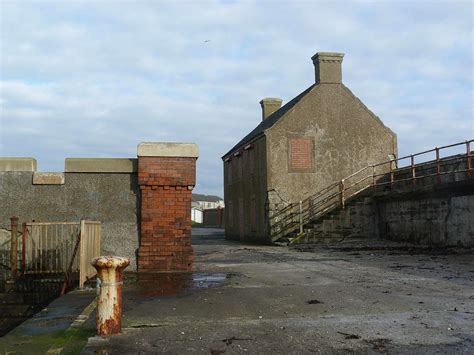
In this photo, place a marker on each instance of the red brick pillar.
(166, 176)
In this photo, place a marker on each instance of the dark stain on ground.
(313, 302)
(379, 344)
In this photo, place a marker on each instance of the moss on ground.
(68, 341)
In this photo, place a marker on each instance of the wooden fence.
(54, 247)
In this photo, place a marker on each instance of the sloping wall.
(431, 215)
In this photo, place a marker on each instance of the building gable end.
(373, 115)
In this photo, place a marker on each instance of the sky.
(95, 78)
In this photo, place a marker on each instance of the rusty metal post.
(413, 173)
(109, 302)
(438, 168)
(14, 247)
(391, 173)
(468, 155)
(23, 248)
(341, 191)
(301, 216)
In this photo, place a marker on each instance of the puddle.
(173, 284)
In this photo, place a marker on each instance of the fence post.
(23, 248)
(82, 253)
(14, 247)
(301, 216)
(413, 173)
(468, 155)
(438, 168)
(341, 191)
(391, 173)
(373, 177)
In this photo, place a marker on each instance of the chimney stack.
(327, 67)
(270, 105)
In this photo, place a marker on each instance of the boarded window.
(228, 166)
(237, 167)
(253, 214)
(240, 167)
(250, 154)
(301, 157)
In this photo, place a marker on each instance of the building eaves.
(269, 122)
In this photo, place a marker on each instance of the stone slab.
(328, 56)
(158, 149)
(18, 164)
(100, 165)
(48, 178)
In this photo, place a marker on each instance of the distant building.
(208, 201)
(197, 214)
(321, 136)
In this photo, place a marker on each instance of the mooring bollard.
(109, 302)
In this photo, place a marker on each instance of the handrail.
(293, 216)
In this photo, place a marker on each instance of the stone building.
(322, 135)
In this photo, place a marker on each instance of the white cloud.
(95, 78)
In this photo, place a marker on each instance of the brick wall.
(165, 229)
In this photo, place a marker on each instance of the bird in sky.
(207, 40)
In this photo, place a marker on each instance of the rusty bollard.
(109, 302)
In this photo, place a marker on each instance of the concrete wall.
(109, 197)
(346, 136)
(245, 193)
(438, 217)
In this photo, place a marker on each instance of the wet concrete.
(362, 297)
(152, 285)
(52, 327)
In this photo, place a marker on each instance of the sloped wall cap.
(327, 56)
(18, 164)
(48, 178)
(275, 100)
(100, 165)
(156, 149)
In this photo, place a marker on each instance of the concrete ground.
(354, 297)
(362, 297)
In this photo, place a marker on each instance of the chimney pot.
(327, 67)
(270, 105)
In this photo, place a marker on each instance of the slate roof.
(269, 121)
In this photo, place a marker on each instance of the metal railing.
(294, 216)
(51, 248)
